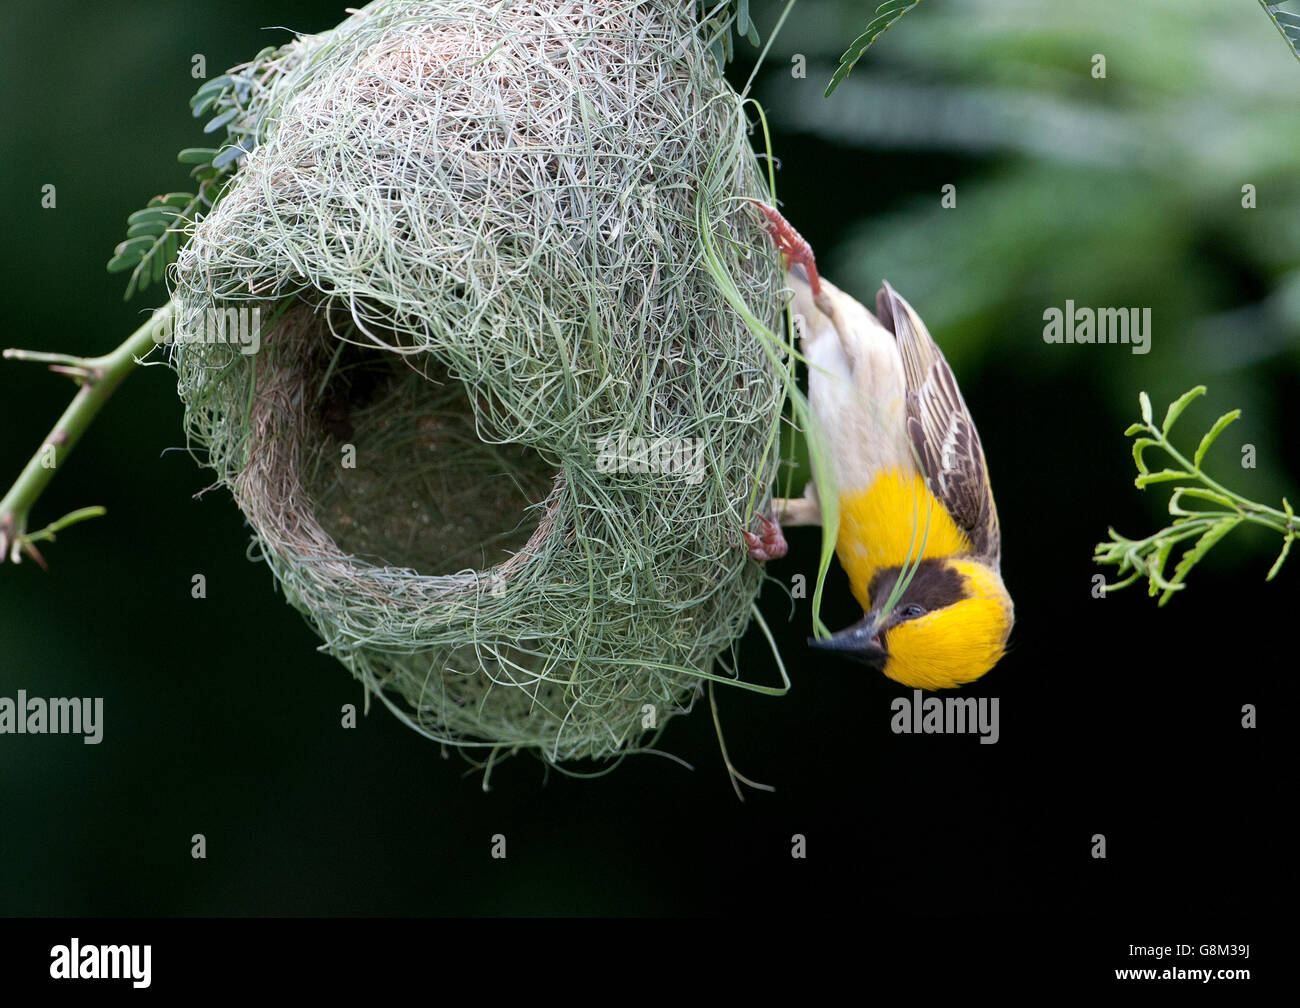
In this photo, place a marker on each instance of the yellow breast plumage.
(896, 519)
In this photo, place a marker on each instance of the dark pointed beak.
(861, 641)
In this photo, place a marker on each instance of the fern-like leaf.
(153, 234)
(1194, 555)
(886, 14)
(1146, 557)
(1287, 21)
(718, 18)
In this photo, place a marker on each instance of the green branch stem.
(98, 378)
(1148, 556)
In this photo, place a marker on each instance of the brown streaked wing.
(941, 429)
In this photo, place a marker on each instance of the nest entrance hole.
(390, 457)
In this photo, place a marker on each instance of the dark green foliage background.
(1116, 718)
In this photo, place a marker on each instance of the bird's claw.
(791, 244)
(770, 544)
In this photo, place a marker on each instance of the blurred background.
(1116, 717)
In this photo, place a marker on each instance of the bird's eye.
(912, 611)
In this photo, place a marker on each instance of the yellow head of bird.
(947, 627)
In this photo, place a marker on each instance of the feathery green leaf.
(1178, 405)
(1148, 556)
(1287, 22)
(153, 238)
(886, 14)
(1212, 434)
(1194, 555)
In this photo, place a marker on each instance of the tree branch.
(98, 377)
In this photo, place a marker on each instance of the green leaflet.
(153, 233)
(886, 14)
(1219, 512)
(1211, 434)
(1287, 21)
(718, 18)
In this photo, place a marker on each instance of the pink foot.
(770, 545)
(791, 243)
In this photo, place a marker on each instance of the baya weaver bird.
(918, 534)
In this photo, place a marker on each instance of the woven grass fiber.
(472, 234)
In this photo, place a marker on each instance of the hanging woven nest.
(502, 430)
